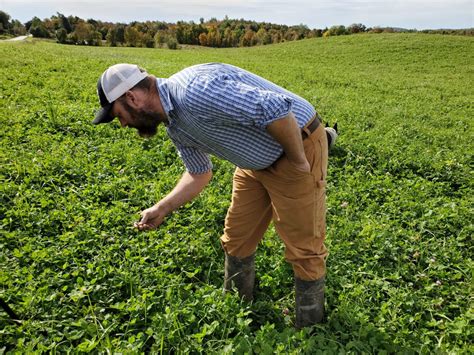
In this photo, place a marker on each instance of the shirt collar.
(162, 86)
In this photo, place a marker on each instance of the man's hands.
(151, 218)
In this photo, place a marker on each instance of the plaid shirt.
(223, 110)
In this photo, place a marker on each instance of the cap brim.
(103, 115)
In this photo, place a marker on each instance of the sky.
(411, 14)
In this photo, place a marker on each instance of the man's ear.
(132, 99)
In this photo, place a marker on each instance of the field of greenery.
(400, 206)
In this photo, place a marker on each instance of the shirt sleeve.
(223, 98)
(195, 161)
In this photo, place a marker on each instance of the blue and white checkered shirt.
(223, 110)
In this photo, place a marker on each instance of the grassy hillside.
(400, 197)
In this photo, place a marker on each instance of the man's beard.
(144, 121)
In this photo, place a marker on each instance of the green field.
(400, 206)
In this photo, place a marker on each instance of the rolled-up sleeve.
(195, 161)
(227, 99)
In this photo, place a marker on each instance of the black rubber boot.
(309, 297)
(240, 273)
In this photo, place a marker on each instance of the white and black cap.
(112, 84)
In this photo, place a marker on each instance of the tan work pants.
(295, 200)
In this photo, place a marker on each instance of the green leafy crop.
(400, 215)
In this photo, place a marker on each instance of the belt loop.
(306, 130)
(310, 126)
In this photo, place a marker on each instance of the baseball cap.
(113, 83)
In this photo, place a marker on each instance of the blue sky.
(419, 14)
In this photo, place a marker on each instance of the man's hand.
(188, 187)
(301, 165)
(288, 134)
(151, 218)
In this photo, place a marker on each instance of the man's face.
(144, 121)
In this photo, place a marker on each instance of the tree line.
(211, 33)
